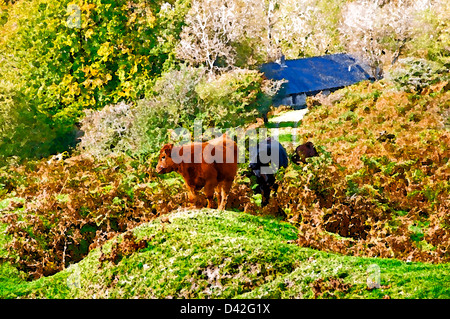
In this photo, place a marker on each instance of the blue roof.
(312, 75)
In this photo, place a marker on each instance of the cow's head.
(165, 162)
(304, 151)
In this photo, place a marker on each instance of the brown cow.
(302, 152)
(208, 165)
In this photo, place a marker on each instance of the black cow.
(270, 156)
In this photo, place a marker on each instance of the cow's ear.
(168, 149)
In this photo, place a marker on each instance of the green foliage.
(212, 254)
(233, 99)
(432, 39)
(172, 103)
(64, 58)
(413, 75)
(180, 98)
(379, 187)
(24, 130)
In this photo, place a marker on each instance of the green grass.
(282, 124)
(213, 254)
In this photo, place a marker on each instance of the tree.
(378, 30)
(307, 27)
(216, 30)
(67, 56)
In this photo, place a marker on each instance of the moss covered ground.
(223, 254)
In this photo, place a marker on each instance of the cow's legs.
(209, 192)
(265, 192)
(192, 196)
(219, 193)
(225, 187)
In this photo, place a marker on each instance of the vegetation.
(90, 91)
(381, 181)
(61, 58)
(180, 99)
(212, 254)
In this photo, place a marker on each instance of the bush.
(107, 131)
(171, 103)
(431, 38)
(234, 98)
(64, 58)
(179, 99)
(380, 186)
(24, 131)
(413, 75)
(73, 205)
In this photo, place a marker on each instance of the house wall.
(287, 100)
(297, 101)
(294, 100)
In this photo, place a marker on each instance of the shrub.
(107, 131)
(383, 192)
(383, 31)
(178, 99)
(75, 204)
(431, 37)
(413, 75)
(24, 131)
(234, 98)
(65, 58)
(172, 103)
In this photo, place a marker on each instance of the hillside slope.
(215, 254)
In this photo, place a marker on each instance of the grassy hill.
(223, 254)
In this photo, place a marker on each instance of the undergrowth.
(73, 205)
(222, 254)
(380, 187)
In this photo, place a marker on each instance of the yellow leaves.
(87, 7)
(291, 173)
(74, 89)
(135, 67)
(88, 34)
(97, 82)
(94, 72)
(105, 50)
(70, 86)
(125, 50)
(94, 77)
(126, 92)
(67, 79)
(121, 74)
(132, 18)
(151, 19)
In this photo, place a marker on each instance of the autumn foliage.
(379, 187)
(129, 72)
(75, 204)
